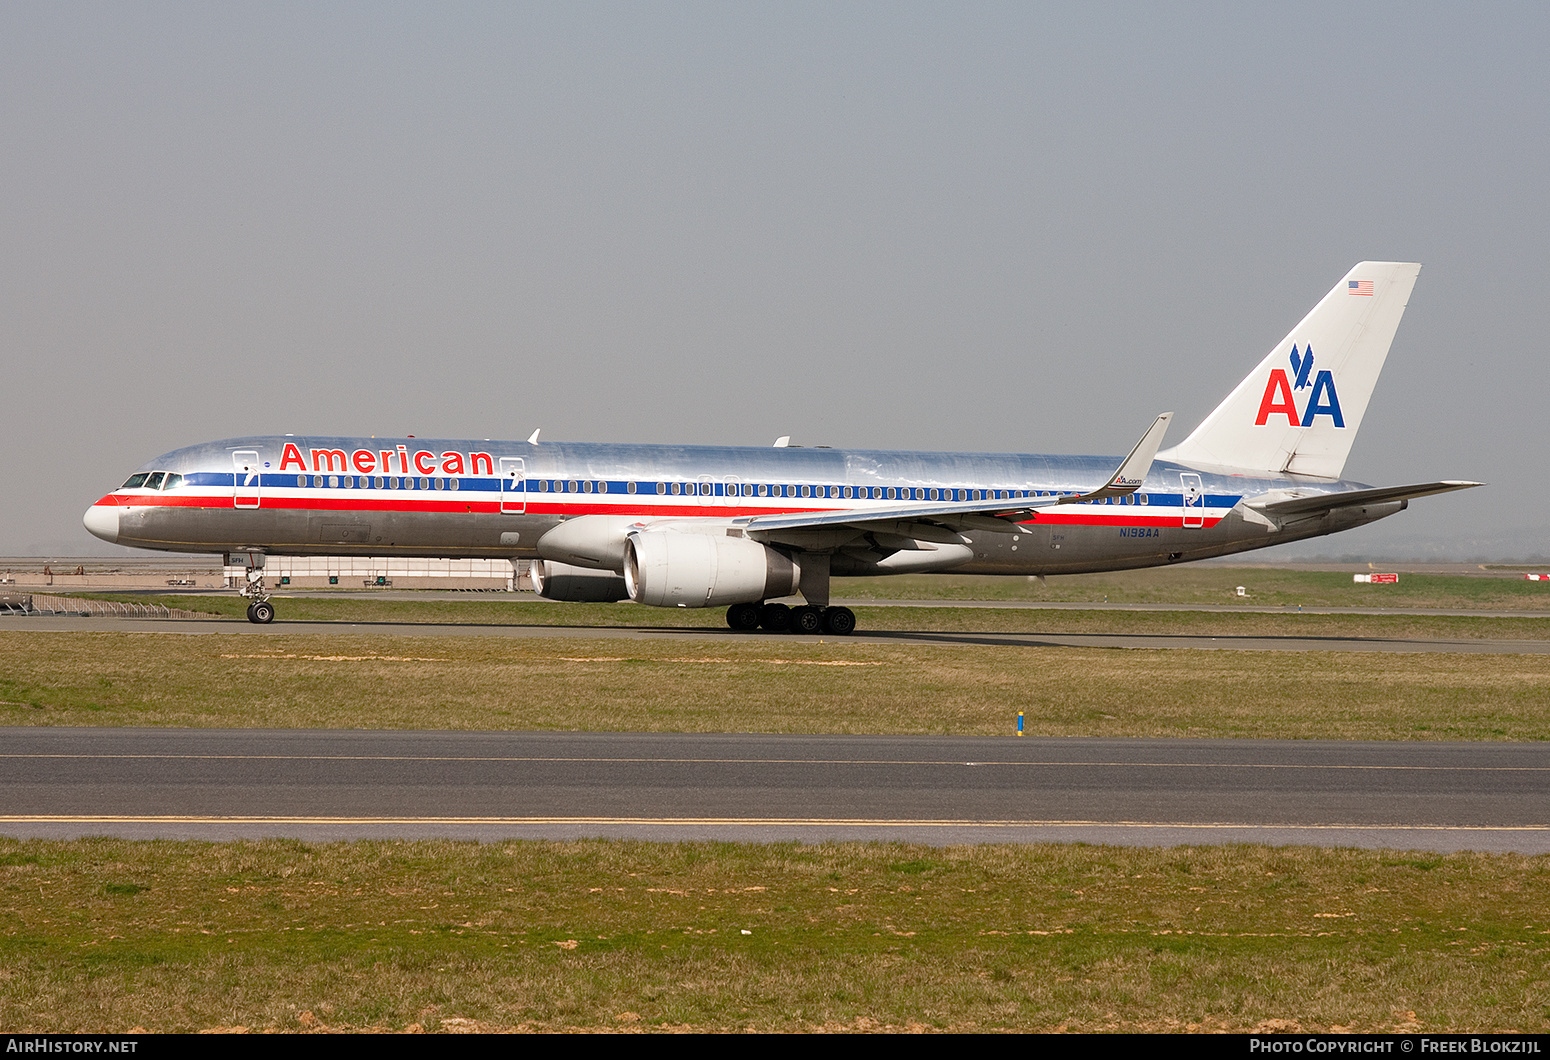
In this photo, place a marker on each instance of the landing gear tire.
(744, 617)
(775, 618)
(841, 621)
(806, 620)
(261, 613)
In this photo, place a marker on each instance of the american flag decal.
(1359, 287)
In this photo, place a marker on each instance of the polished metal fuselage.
(462, 498)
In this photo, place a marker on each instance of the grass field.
(108, 935)
(760, 684)
(1213, 584)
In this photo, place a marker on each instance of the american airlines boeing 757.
(712, 526)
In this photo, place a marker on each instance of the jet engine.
(665, 568)
(561, 581)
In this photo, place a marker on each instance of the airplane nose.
(102, 521)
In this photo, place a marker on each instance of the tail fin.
(1299, 410)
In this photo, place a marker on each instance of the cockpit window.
(135, 481)
(173, 482)
(154, 482)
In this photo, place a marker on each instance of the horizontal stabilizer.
(1324, 502)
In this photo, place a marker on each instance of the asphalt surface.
(100, 624)
(323, 784)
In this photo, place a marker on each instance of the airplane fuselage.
(450, 498)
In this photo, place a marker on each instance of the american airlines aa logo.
(1278, 397)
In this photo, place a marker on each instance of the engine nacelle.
(595, 541)
(665, 568)
(561, 581)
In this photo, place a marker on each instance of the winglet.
(1132, 470)
(532, 439)
(782, 442)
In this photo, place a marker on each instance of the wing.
(942, 521)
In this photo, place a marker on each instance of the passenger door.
(246, 479)
(513, 485)
(1194, 500)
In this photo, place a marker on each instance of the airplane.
(742, 527)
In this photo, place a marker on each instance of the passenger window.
(602, 487)
(629, 487)
(425, 483)
(453, 484)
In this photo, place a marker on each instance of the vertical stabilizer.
(1299, 410)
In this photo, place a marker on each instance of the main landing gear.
(778, 618)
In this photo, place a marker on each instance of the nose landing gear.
(260, 610)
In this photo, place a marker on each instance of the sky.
(1004, 227)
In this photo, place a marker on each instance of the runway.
(99, 624)
(326, 784)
